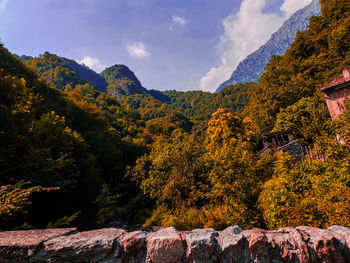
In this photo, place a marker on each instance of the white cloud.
(244, 33)
(179, 20)
(291, 6)
(2, 4)
(93, 63)
(138, 50)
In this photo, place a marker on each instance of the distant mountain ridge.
(61, 71)
(122, 81)
(251, 68)
(88, 74)
(117, 80)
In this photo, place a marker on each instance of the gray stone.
(21, 245)
(134, 246)
(202, 245)
(233, 246)
(90, 246)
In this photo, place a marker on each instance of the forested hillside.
(64, 73)
(58, 150)
(199, 105)
(191, 161)
(120, 82)
(215, 176)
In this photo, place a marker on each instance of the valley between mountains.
(88, 150)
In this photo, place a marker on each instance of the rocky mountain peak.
(251, 68)
(122, 81)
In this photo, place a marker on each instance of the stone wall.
(232, 245)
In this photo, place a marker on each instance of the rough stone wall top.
(20, 246)
(232, 245)
(31, 237)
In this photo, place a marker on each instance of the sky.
(168, 44)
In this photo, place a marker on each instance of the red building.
(336, 93)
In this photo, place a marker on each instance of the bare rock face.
(232, 245)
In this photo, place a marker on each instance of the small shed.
(277, 139)
(283, 141)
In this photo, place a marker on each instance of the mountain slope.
(70, 140)
(87, 74)
(251, 68)
(122, 81)
(66, 74)
(61, 71)
(200, 105)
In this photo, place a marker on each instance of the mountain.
(87, 74)
(251, 68)
(63, 72)
(69, 141)
(122, 81)
(199, 105)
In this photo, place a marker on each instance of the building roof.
(337, 82)
(270, 135)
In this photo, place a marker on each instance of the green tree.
(307, 118)
(106, 204)
(15, 202)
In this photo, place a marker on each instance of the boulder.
(165, 246)
(202, 245)
(100, 245)
(134, 245)
(302, 244)
(323, 244)
(277, 246)
(21, 245)
(233, 246)
(343, 240)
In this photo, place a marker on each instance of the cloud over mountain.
(93, 63)
(244, 32)
(291, 6)
(138, 50)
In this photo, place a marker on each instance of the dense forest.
(72, 154)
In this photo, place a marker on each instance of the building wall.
(293, 148)
(335, 101)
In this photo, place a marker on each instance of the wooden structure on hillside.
(283, 141)
(312, 153)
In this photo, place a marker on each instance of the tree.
(307, 118)
(15, 201)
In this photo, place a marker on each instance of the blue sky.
(169, 44)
